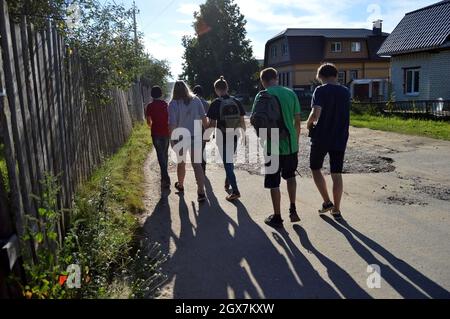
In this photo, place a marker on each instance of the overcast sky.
(164, 22)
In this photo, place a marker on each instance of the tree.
(155, 72)
(220, 48)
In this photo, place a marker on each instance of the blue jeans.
(161, 145)
(229, 167)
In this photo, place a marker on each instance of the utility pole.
(136, 40)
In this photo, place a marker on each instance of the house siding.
(434, 75)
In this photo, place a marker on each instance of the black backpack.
(268, 114)
(230, 114)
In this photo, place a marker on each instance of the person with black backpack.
(278, 108)
(227, 115)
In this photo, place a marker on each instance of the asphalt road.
(397, 219)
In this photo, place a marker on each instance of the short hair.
(198, 90)
(221, 84)
(269, 74)
(327, 70)
(156, 92)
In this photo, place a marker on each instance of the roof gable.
(420, 30)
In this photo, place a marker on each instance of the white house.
(420, 54)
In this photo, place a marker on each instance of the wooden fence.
(47, 126)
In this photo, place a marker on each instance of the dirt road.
(396, 207)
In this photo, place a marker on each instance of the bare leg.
(199, 177)
(321, 185)
(181, 173)
(292, 189)
(276, 200)
(338, 190)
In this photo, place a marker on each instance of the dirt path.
(397, 216)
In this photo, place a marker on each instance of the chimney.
(378, 27)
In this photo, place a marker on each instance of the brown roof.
(308, 45)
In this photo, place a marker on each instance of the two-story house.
(297, 53)
(420, 51)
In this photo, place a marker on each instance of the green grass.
(106, 228)
(419, 127)
(125, 171)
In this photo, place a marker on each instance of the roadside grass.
(125, 172)
(419, 127)
(105, 237)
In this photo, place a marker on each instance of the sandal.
(179, 187)
(326, 207)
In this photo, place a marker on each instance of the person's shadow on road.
(418, 286)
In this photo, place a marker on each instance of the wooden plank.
(23, 92)
(12, 129)
(33, 96)
(39, 83)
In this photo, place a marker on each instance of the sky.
(164, 22)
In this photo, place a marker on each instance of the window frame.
(284, 49)
(356, 77)
(334, 46)
(358, 45)
(409, 84)
(345, 77)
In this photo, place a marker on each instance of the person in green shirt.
(287, 151)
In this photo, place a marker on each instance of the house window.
(284, 49)
(342, 77)
(274, 52)
(336, 47)
(280, 79)
(412, 81)
(353, 75)
(288, 79)
(356, 46)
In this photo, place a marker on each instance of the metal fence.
(439, 109)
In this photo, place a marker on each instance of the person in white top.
(186, 111)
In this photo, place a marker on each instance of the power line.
(158, 15)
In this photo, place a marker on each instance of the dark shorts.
(318, 155)
(287, 170)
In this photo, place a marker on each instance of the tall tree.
(220, 47)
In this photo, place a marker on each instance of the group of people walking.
(188, 122)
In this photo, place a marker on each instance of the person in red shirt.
(157, 115)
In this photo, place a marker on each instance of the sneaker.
(293, 215)
(337, 215)
(201, 198)
(326, 207)
(233, 197)
(274, 221)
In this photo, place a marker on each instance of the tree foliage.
(103, 36)
(155, 72)
(220, 48)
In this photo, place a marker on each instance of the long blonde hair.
(181, 91)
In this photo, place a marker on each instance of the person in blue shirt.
(329, 124)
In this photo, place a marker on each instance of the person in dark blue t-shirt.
(329, 124)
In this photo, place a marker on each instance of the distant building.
(420, 51)
(297, 53)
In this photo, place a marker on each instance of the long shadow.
(206, 263)
(271, 269)
(397, 282)
(348, 287)
(158, 227)
(433, 289)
